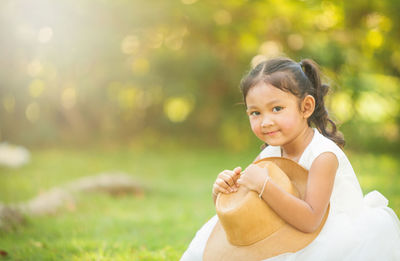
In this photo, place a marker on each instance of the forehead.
(263, 93)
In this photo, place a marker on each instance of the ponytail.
(320, 117)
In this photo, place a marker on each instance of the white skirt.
(372, 234)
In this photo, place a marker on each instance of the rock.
(48, 202)
(10, 218)
(52, 200)
(13, 156)
(112, 183)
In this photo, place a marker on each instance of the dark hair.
(300, 79)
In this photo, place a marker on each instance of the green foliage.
(78, 71)
(156, 226)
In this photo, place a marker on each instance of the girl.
(285, 105)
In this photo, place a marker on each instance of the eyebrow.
(268, 103)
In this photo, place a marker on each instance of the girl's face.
(275, 115)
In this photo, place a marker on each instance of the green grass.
(156, 226)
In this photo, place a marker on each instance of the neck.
(295, 149)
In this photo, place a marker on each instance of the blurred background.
(151, 88)
(86, 71)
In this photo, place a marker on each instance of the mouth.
(270, 133)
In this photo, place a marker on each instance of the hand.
(226, 181)
(253, 177)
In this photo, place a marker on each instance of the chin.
(273, 142)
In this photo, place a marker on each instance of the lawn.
(157, 225)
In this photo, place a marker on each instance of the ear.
(307, 106)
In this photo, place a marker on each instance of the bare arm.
(304, 214)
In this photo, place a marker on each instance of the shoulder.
(321, 145)
(326, 161)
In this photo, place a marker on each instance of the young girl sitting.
(285, 105)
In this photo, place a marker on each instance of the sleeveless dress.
(358, 227)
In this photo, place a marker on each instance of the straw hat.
(248, 229)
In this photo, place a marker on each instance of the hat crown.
(245, 217)
(286, 239)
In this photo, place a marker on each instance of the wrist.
(264, 184)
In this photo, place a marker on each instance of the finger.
(220, 189)
(238, 173)
(234, 184)
(221, 173)
(221, 183)
(228, 184)
(215, 193)
(228, 179)
(224, 173)
(227, 172)
(216, 190)
(237, 170)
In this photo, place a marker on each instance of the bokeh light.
(177, 109)
(222, 17)
(342, 107)
(32, 112)
(295, 41)
(36, 88)
(133, 64)
(372, 107)
(271, 49)
(189, 2)
(130, 44)
(140, 66)
(152, 88)
(34, 68)
(45, 34)
(68, 97)
(9, 103)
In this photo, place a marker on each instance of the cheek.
(255, 127)
(290, 122)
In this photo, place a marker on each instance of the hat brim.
(286, 239)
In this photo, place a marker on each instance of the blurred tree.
(76, 71)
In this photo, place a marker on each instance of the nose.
(266, 121)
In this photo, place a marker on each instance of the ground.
(156, 225)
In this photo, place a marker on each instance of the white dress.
(358, 227)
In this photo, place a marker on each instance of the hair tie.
(302, 69)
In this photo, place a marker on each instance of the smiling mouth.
(271, 133)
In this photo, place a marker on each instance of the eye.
(254, 113)
(277, 108)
